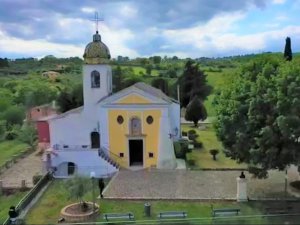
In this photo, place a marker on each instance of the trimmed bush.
(191, 162)
(295, 184)
(193, 136)
(183, 133)
(192, 132)
(198, 144)
(181, 148)
(214, 153)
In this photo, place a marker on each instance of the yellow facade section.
(119, 135)
(134, 99)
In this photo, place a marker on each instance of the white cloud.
(39, 47)
(278, 1)
(88, 10)
(128, 11)
(218, 36)
(116, 41)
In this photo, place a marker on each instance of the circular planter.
(71, 212)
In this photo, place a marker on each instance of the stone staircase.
(104, 154)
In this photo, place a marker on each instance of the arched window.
(135, 126)
(95, 140)
(95, 78)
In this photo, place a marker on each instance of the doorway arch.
(95, 139)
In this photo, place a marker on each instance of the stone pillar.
(241, 195)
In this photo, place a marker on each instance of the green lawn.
(10, 148)
(217, 80)
(8, 201)
(47, 209)
(202, 157)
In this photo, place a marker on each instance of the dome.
(96, 52)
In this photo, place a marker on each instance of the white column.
(241, 189)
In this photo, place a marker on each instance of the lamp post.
(92, 175)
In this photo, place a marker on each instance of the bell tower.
(97, 73)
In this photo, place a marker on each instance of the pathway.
(24, 169)
(185, 184)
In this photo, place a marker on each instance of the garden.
(204, 140)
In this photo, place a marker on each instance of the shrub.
(295, 184)
(181, 148)
(198, 144)
(214, 152)
(193, 136)
(192, 132)
(36, 178)
(184, 133)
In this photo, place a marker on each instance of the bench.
(172, 214)
(112, 216)
(225, 212)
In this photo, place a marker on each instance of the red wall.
(43, 131)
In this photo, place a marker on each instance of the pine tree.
(288, 50)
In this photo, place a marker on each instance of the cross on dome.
(97, 19)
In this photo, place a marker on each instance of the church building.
(131, 129)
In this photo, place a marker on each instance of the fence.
(25, 201)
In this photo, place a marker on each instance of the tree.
(258, 116)
(28, 135)
(214, 153)
(161, 84)
(195, 111)
(77, 187)
(148, 69)
(14, 115)
(192, 82)
(117, 79)
(156, 59)
(70, 99)
(288, 50)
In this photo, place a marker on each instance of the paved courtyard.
(24, 169)
(186, 184)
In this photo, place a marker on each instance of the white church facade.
(133, 128)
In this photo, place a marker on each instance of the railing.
(119, 160)
(25, 201)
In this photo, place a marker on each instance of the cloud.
(218, 37)
(278, 1)
(131, 27)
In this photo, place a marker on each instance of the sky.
(143, 28)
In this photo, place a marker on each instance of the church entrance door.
(136, 152)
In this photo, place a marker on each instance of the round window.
(120, 119)
(149, 119)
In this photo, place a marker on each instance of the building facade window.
(120, 119)
(95, 79)
(135, 126)
(149, 119)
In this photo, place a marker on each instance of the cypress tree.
(288, 50)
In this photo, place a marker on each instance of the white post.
(241, 189)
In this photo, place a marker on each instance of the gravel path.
(24, 169)
(185, 184)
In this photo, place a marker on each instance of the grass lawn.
(10, 148)
(8, 201)
(217, 80)
(202, 157)
(47, 209)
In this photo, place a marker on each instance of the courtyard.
(195, 185)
